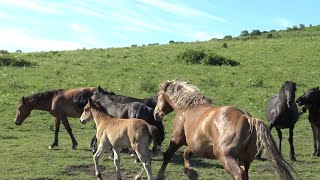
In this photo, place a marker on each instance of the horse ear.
(90, 101)
(23, 100)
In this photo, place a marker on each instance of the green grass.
(137, 71)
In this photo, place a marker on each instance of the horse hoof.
(74, 147)
(191, 173)
(293, 158)
(159, 177)
(51, 147)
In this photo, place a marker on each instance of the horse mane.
(42, 96)
(184, 94)
(81, 99)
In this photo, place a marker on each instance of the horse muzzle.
(157, 116)
(18, 123)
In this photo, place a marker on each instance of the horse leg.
(231, 165)
(315, 138)
(93, 144)
(56, 133)
(66, 124)
(173, 147)
(280, 137)
(188, 170)
(96, 158)
(292, 154)
(116, 159)
(142, 151)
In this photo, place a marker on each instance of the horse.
(311, 101)
(127, 110)
(150, 102)
(60, 103)
(282, 112)
(115, 134)
(225, 133)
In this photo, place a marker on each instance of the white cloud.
(79, 28)
(204, 36)
(181, 10)
(283, 22)
(4, 15)
(32, 5)
(12, 40)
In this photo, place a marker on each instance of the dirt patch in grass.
(89, 170)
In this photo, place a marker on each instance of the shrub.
(218, 60)
(11, 61)
(269, 36)
(224, 45)
(4, 52)
(191, 56)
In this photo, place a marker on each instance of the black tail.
(155, 138)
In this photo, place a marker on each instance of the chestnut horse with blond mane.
(224, 133)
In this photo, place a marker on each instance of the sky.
(45, 25)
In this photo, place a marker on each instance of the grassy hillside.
(265, 63)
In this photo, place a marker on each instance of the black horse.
(127, 110)
(311, 101)
(151, 101)
(282, 112)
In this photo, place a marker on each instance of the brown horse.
(61, 104)
(224, 133)
(311, 101)
(116, 133)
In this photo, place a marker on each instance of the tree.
(255, 32)
(227, 37)
(301, 26)
(244, 33)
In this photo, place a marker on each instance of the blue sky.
(44, 25)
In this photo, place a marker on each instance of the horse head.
(163, 106)
(24, 110)
(309, 98)
(86, 115)
(289, 89)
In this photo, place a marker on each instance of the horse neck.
(110, 105)
(37, 104)
(99, 116)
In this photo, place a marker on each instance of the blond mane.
(184, 94)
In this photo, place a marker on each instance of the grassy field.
(265, 63)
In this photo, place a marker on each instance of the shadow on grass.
(195, 161)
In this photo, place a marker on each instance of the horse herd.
(228, 134)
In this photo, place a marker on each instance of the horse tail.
(155, 138)
(265, 140)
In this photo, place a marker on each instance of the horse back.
(71, 102)
(208, 129)
(122, 133)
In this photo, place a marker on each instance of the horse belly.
(202, 148)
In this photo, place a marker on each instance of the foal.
(125, 111)
(115, 134)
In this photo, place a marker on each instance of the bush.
(269, 36)
(218, 60)
(191, 56)
(224, 45)
(11, 61)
